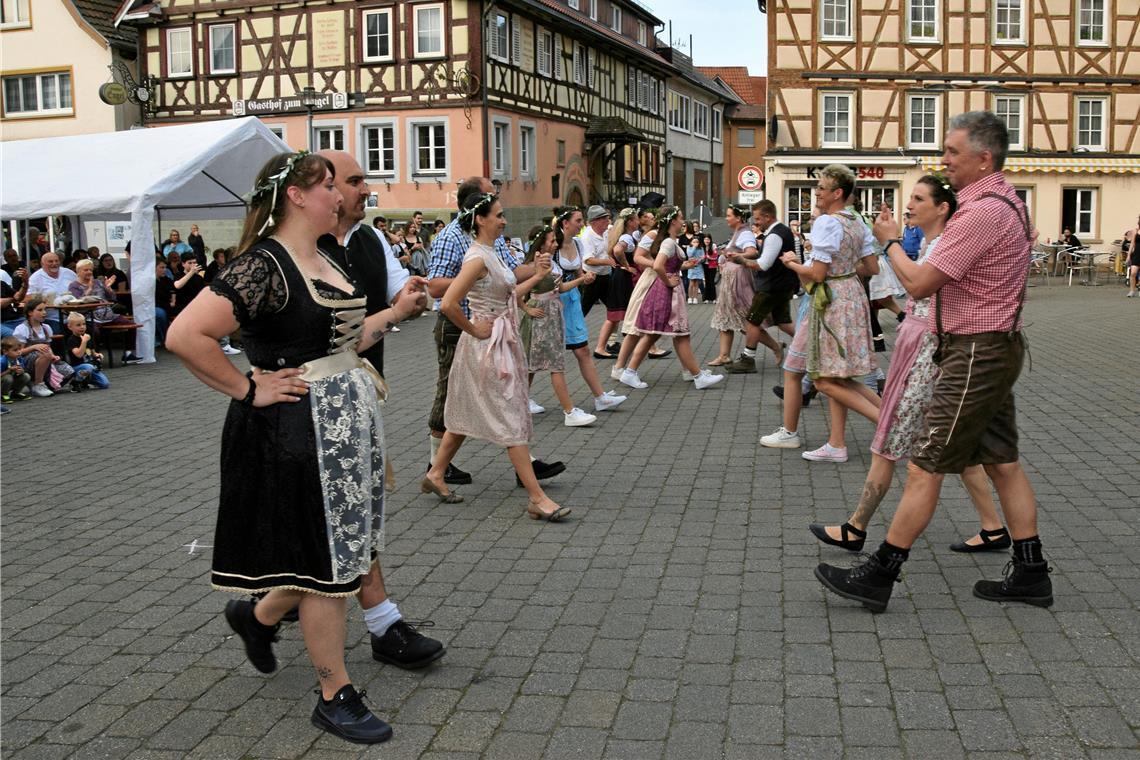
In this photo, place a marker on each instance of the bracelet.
(248, 400)
(892, 241)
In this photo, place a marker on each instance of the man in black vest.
(356, 248)
(774, 284)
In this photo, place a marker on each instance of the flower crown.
(566, 214)
(538, 236)
(271, 184)
(666, 220)
(941, 179)
(484, 202)
(739, 210)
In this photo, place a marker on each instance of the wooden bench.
(109, 330)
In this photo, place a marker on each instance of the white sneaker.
(608, 400)
(39, 390)
(577, 418)
(1130, 294)
(535, 408)
(826, 453)
(706, 379)
(630, 377)
(781, 439)
(230, 351)
(395, 329)
(615, 372)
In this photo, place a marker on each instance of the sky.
(725, 32)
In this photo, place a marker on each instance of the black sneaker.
(880, 344)
(258, 638)
(868, 583)
(543, 471)
(405, 647)
(613, 348)
(1023, 582)
(346, 716)
(779, 391)
(455, 477)
(130, 357)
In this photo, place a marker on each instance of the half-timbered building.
(874, 84)
(558, 101)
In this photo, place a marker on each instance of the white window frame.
(386, 12)
(581, 63)
(417, 52)
(922, 5)
(544, 52)
(1021, 22)
(1105, 22)
(642, 34)
(1105, 124)
(499, 38)
(329, 126)
(501, 162)
(1078, 228)
(679, 107)
(847, 34)
(594, 9)
(528, 151)
(39, 111)
(574, 4)
(234, 47)
(823, 99)
(16, 14)
(362, 146)
(278, 129)
(189, 52)
(1003, 113)
(795, 211)
(717, 116)
(414, 149)
(616, 18)
(934, 142)
(1026, 193)
(700, 119)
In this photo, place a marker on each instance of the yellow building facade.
(873, 84)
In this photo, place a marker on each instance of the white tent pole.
(51, 232)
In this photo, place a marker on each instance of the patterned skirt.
(302, 491)
(542, 337)
(907, 394)
(733, 298)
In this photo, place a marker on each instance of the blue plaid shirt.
(448, 250)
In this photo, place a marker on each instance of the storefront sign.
(325, 101)
(113, 94)
(861, 172)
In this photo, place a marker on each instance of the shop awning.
(1075, 165)
(613, 129)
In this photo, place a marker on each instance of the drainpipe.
(484, 12)
(712, 151)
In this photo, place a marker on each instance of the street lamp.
(309, 100)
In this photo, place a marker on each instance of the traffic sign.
(750, 178)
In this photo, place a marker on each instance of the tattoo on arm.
(872, 497)
(324, 673)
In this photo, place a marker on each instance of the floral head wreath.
(625, 214)
(538, 237)
(667, 219)
(941, 179)
(271, 185)
(484, 201)
(739, 210)
(566, 214)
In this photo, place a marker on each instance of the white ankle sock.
(749, 352)
(381, 617)
(434, 448)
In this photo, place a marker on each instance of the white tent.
(175, 172)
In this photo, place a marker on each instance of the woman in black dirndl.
(301, 511)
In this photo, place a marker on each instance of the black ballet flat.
(992, 541)
(850, 544)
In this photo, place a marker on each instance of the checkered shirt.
(985, 254)
(448, 250)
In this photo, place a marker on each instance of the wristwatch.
(892, 241)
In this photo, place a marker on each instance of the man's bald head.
(349, 180)
(472, 186)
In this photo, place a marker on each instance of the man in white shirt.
(51, 281)
(599, 261)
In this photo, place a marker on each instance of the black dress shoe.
(454, 476)
(258, 638)
(613, 348)
(346, 716)
(992, 541)
(405, 647)
(850, 544)
(1023, 582)
(779, 391)
(869, 583)
(543, 471)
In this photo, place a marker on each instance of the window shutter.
(577, 63)
(590, 69)
(516, 41)
(540, 53)
(631, 86)
(558, 63)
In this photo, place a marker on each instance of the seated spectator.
(107, 269)
(174, 266)
(78, 255)
(11, 261)
(82, 356)
(87, 286)
(221, 255)
(50, 281)
(10, 297)
(176, 245)
(1068, 238)
(164, 300)
(35, 354)
(12, 375)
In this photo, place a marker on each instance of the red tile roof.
(753, 90)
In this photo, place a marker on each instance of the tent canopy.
(203, 166)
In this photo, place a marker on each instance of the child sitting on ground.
(14, 379)
(81, 355)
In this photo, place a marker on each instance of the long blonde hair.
(618, 228)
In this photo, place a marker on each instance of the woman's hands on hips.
(279, 386)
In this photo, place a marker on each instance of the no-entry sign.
(750, 178)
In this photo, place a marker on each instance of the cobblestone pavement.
(675, 616)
